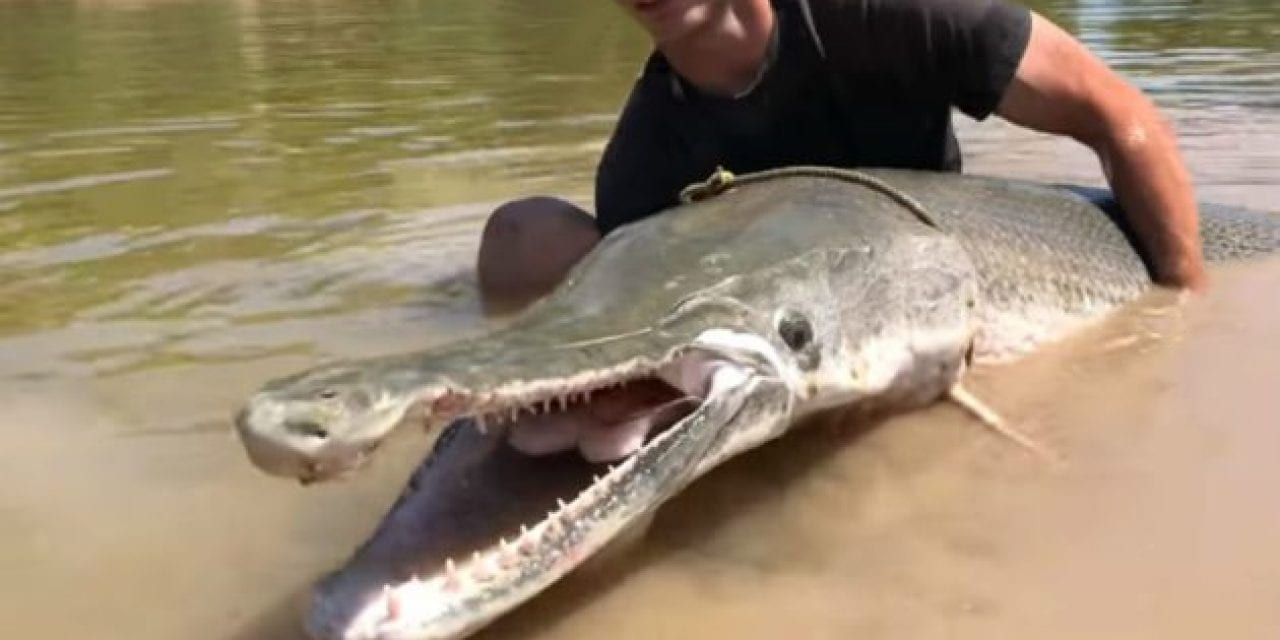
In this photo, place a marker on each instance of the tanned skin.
(1060, 87)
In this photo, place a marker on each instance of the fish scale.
(1049, 259)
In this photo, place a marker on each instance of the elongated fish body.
(681, 341)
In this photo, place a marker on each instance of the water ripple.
(83, 182)
(53, 154)
(168, 127)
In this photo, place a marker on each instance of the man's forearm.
(1145, 169)
(1061, 87)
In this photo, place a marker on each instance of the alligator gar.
(681, 341)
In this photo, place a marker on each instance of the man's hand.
(1060, 87)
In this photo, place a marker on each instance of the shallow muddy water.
(198, 196)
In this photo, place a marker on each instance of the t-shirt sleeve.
(636, 176)
(966, 50)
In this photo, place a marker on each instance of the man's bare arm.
(1061, 87)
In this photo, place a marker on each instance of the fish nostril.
(307, 428)
(241, 420)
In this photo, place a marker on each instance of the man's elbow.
(1123, 122)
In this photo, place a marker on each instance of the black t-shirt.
(863, 83)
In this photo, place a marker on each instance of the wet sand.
(133, 514)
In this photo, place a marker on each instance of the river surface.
(196, 196)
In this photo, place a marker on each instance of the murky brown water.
(197, 196)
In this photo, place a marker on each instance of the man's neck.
(725, 57)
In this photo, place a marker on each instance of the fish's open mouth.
(524, 494)
(603, 425)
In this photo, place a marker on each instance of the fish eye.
(327, 394)
(795, 330)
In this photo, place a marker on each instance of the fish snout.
(278, 444)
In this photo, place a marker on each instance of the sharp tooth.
(560, 503)
(564, 402)
(479, 570)
(393, 603)
(515, 414)
(507, 561)
(507, 554)
(586, 396)
(546, 405)
(524, 531)
(481, 426)
(595, 478)
(451, 580)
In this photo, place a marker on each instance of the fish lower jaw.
(461, 595)
(454, 594)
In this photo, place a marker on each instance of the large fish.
(681, 341)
